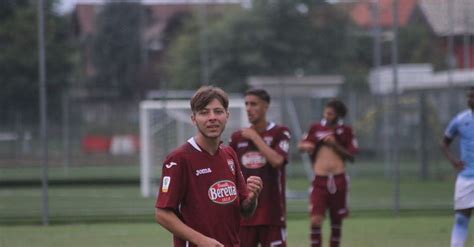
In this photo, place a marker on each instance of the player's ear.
(228, 113)
(193, 118)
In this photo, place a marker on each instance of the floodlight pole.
(396, 110)
(42, 109)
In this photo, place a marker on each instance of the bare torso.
(328, 162)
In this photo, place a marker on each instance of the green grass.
(116, 215)
(420, 231)
(89, 201)
(75, 203)
(75, 172)
(366, 169)
(71, 203)
(110, 202)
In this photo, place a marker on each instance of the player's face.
(470, 99)
(330, 115)
(256, 109)
(211, 120)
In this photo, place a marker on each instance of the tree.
(117, 50)
(417, 45)
(19, 58)
(272, 38)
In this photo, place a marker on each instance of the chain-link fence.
(120, 53)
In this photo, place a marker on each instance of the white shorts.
(464, 193)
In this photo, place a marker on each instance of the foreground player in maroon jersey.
(203, 193)
(263, 151)
(329, 143)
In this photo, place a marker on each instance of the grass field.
(109, 202)
(85, 211)
(79, 194)
(419, 231)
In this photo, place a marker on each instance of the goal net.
(165, 125)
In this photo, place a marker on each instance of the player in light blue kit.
(463, 126)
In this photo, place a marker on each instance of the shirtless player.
(330, 143)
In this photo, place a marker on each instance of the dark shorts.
(267, 236)
(330, 193)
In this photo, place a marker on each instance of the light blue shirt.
(463, 125)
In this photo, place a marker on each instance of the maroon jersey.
(343, 134)
(271, 208)
(205, 191)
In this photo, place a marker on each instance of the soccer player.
(203, 192)
(463, 126)
(263, 151)
(330, 143)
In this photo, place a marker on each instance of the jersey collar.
(324, 122)
(270, 126)
(196, 146)
(193, 143)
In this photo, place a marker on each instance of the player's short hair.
(470, 88)
(260, 93)
(338, 106)
(205, 94)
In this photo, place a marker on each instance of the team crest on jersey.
(253, 160)
(339, 131)
(223, 192)
(268, 140)
(230, 163)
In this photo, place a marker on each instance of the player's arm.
(330, 140)
(168, 219)
(306, 146)
(449, 134)
(446, 147)
(249, 204)
(273, 157)
(308, 143)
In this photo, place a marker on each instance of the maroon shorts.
(330, 192)
(267, 236)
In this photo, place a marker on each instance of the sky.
(68, 5)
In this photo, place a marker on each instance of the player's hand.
(458, 165)
(209, 242)
(250, 133)
(254, 186)
(329, 139)
(306, 146)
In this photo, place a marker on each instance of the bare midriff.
(328, 162)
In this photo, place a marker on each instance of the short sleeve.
(232, 141)
(311, 136)
(173, 182)
(452, 130)
(282, 143)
